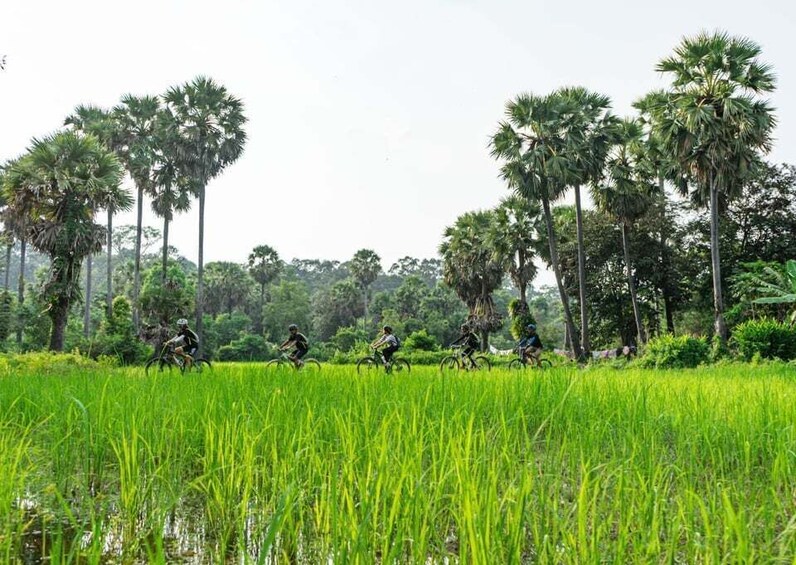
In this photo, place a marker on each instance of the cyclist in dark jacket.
(469, 343)
(299, 342)
(186, 341)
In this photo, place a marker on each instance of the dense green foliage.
(765, 338)
(670, 352)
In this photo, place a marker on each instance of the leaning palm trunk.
(87, 311)
(200, 266)
(137, 263)
(8, 264)
(584, 314)
(642, 337)
(551, 239)
(109, 272)
(23, 248)
(720, 327)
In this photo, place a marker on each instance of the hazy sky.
(368, 120)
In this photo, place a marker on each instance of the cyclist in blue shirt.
(530, 346)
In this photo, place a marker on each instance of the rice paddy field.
(248, 465)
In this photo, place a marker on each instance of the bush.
(247, 348)
(670, 352)
(766, 338)
(421, 341)
(349, 337)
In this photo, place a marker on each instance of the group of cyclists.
(186, 343)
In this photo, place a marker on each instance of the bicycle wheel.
(516, 365)
(199, 366)
(311, 365)
(273, 363)
(159, 365)
(366, 365)
(545, 364)
(482, 363)
(400, 366)
(449, 364)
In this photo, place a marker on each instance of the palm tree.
(16, 227)
(513, 238)
(365, 268)
(470, 269)
(626, 194)
(210, 136)
(63, 179)
(137, 119)
(530, 145)
(93, 120)
(264, 266)
(587, 130)
(715, 124)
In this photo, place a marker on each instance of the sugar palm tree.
(714, 122)
(16, 227)
(136, 119)
(365, 268)
(210, 135)
(626, 194)
(587, 129)
(530, 145)
(62, 180)
(513, 237)
(471, 269)
(264, 266)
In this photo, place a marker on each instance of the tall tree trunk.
(260, 318)
(200, 267)
(87, 312)
(642, 338)
(8, 264)
(365, 319)
(23, 248)
(551, 240)
(718, 303)
(522, 284)
(137, 263)
(484, 340)
(109, 273)
(165, 261)
(59, 312)
(665, 260)
(584, 314)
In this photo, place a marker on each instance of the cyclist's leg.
(387, 353)
(297, 355)
(468, 352)
(190, 356)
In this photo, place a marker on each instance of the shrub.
(421, 341)
(670, 352)
(766, 338)
(247, 348)
(349, 337)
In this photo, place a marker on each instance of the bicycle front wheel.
(449, 364)
(516, 365)
(400, 366)
(544, 364)
(273, 363)
(366, 365)
(482, 363)
(198, 366)
(158, 365)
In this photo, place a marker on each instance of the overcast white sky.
(368, 120)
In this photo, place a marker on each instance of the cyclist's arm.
(378, 342)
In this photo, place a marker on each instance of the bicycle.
(459, 361)
(523, 361)
(168, 360)
(374, 361)
(310, 363)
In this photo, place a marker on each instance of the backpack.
(397, 342)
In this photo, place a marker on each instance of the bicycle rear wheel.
(482, 363)
(449, 364)
(311, 365)
(198, 366)
(545, 364)
(400, 366)
(366, 365)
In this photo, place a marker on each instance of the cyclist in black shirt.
(531, 346)
(187, 342)
(469, 342)
(297, 340)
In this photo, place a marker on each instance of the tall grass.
(564, 466)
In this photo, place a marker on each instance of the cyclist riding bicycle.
(299, 342)
(530, 346)
(469, 343)
(186, 342)
(390, 342)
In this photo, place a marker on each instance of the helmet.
(530, 327)
(182, 322)
(388, 329)
(292, 327)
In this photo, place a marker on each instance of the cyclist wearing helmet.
(390, 342)
(531, 346)
(187, 342)
(469, 342)
(297, 340)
